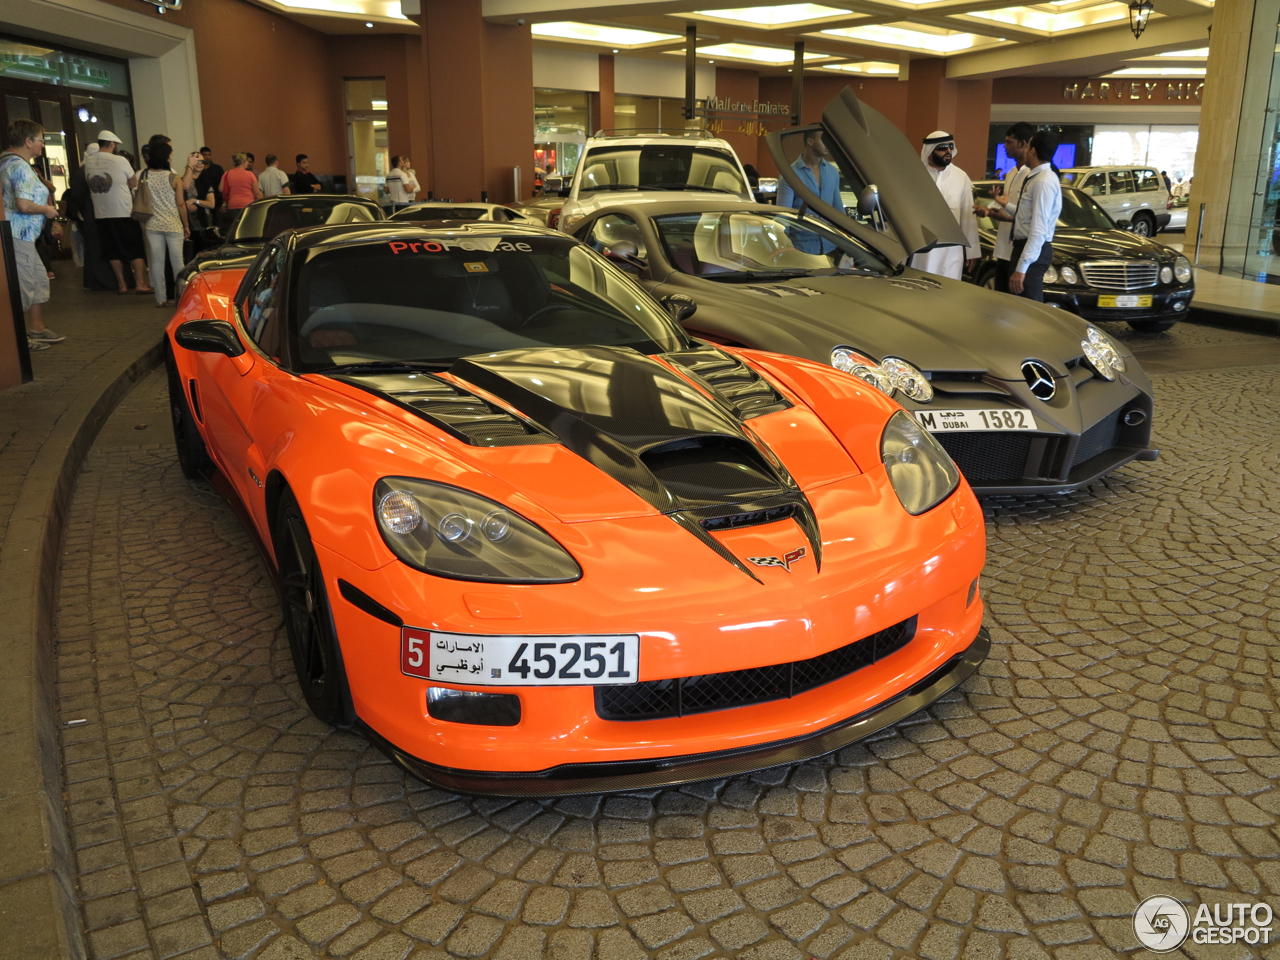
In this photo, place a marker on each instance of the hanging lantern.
(1139, 13)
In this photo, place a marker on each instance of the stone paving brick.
(1063, 784)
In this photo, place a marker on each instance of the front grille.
(1099, 438)
(655, 699)
(988, 456)
(1121, 274)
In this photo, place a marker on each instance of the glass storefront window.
(369, 156)
(652, 113)
(92, 114)
(40, 64)
(1258, 257)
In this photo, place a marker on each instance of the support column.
(602, 117)
(972, 126)
(931, 100)
(1233, 118)
(479, 79)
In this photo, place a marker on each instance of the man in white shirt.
(272, 180)
(402, 183)
(1005, 204)
(1036, 219)
(111, 179)
(937, 154)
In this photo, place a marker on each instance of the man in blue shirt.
(1036, 220)
(819, 175)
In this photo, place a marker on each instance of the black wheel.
(1152, 326)
(313, 641)
(988, 282)
(193, 458)
(1144, 225)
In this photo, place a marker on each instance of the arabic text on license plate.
(1130, 301)
(512, 661)
(950, 421)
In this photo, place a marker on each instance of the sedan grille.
(655, 699)
(1121, 274)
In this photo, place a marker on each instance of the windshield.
(727, 245)
(440, 213)
(263, 222)
(436, 300)
(1079, 210)
(661, 166)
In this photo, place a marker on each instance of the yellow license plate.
(1125, 302)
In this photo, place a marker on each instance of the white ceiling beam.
(1167, 33)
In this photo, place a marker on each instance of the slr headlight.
(453, 533)
(1182, 269)
(903, 376)
(921, 472)
(1107, 346)
(844, 358)
(1069, 275)
(1166, 274)
(1051, 274)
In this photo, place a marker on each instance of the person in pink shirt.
(239, 189)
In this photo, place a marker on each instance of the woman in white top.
(167, 227)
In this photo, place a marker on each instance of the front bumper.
(613, 776)
(1085, 303)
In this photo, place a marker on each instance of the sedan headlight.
(1182, 269)
(1069, 275)
(1102, 353)
(921, 472)
(452, 533)
(844, 358)
(908, 379)
(1166, 274)
(1051, 274)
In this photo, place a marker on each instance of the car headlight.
(1102, 353)
(844, 358)
(1051, 274)
(1069, 275)
(452, 533)
(908, 379)
(921, 472)
(1182, 269)
(1166, 274)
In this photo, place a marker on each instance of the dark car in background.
(264, 220)
(431, 210)
(1100, 270)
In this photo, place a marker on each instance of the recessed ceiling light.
(1041, 21)
(358, 8)
(1157, 72)
(752, 52)
(615, 49)
(775, 16)
(1185, 54)
(368, 24)
(877, 68)
(594, 33)
(913, 37)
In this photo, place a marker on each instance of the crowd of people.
(131, 222)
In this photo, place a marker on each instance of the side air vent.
(739, 386)
(779, 292)
(458, 412)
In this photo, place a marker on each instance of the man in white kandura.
(938, 152)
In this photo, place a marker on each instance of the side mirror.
(209, 336)
(680, 307)
(626, 255)
(1124, 224)
(869, 205)
(553, 184)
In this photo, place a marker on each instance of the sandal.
(148, 292)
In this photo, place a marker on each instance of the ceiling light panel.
(781, 15)
(1158, 72)
(605, 36)
(1200, 53)
(914, 37)
(360, 8)
(751, 52)
(870, 68)
(1042, 21)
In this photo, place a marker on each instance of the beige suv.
(1135, 194)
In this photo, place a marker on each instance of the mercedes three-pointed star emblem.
(1040, 379)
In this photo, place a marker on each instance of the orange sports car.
(531, 538)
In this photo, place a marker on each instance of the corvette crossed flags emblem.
(784, 562)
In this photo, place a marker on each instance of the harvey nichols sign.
(1133, 90)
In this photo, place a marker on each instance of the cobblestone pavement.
(1121, 742)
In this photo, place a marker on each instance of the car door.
(869, 149)
(1120, 194)
(1149, 192)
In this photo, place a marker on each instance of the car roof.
(1107, 167)
(658, 208)
(659, 139)
(334, 198)
(385, 230)
(448, 203)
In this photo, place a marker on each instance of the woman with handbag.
(167, 226)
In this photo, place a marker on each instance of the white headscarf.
(931, 143)
(92, 149)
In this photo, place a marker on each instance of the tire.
(1144, 225)
(1152, 326)
(193, 457)
(308, 619)
(988, 282)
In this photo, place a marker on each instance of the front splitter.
(617, 775)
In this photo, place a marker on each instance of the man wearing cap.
(937, 154)
(111, 178)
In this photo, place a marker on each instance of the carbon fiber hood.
(934, 323)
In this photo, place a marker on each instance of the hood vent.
(780, 291)
(745, 392)
(916, 283)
